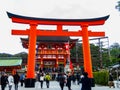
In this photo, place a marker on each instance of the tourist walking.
(78, 78)
(73, 77)
(86, 82)
(22, 79)
(16, 80)
(62, 80)
(10, 81)
(41, 80)
(111, 82)
(47, 79)
(4, 81)
(68, 84)
(119, 77)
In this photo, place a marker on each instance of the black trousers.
(41, 84)
(3, 87)
(47, 83)
(61, 86)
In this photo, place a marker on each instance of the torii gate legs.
(32, 48)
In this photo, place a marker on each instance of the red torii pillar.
(33, 33)
(32, 47)
(86, 50)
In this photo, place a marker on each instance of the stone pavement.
(54, 85)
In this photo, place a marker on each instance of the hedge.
(101, 77)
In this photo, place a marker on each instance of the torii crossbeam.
(33, 32)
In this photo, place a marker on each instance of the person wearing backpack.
(47, 79)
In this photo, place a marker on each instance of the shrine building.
(10, 64)
(51, 52)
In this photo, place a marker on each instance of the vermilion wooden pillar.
(56, 54)
(86, 51)
(68, 50)
(56, 65)
(30, 76)
(41, 64)
(31, 52)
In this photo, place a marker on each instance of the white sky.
(69, 9)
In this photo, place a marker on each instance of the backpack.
(62, 79)
(47, 77)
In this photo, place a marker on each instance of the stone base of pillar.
(30, 82)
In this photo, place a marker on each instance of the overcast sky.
(68, 9)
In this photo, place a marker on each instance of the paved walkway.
(55, 86)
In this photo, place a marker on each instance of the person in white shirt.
(10, 81)
(41, 80)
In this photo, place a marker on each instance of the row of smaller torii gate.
(33, 32)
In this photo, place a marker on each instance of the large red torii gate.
(33, 32)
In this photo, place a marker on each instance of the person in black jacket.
(68, 84)
(78, 78)
(3, 81)
(61, 80)
(86, 82)
(16, 80)
(111, 82)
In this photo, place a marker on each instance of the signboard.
(49, 62)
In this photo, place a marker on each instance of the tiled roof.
(10, 61)
(51, 39)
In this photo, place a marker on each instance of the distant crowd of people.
(67, 79)
(64, 79)
(9, 79)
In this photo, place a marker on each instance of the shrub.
(101, 77)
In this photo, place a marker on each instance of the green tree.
(115, 52)
(118, 6)
(22, 55)
(97, 60)
(77, 50)
(95, 55)
(5, 55)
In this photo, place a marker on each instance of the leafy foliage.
(101, 77)
(22, 55)
(115, 53)
(95, 55)
(118, 6)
